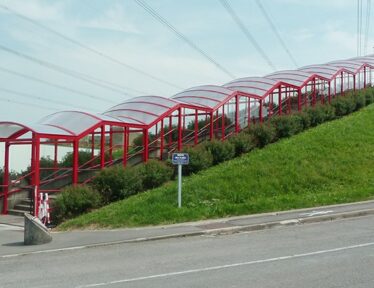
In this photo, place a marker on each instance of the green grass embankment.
(333, 163)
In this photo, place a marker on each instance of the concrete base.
(35, 232)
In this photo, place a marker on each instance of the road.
(326, 254)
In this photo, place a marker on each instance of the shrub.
(369, 96)
(320, 113)
(243, 143)
(262, 134)
(304, 119)
(221, 151)
(360, 100)
(344, 105)
(286, 126)
(200, 159)
(83, 157)
(154, 173)
(116, 183)
(73, 201)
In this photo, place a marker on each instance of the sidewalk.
(11, 229)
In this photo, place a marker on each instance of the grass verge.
(330, 164)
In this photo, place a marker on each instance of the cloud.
(114, 18)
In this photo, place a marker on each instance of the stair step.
(16, 212)
(25, 207)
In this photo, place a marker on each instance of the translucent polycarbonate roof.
(294, 77)
(8, 129)
(142, 110)
(363, 60)
(349, 65)
(73, 122)
(258, 86)
(208, 96)
(322, 70)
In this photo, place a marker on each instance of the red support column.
(334, 87)
(249, 111)
(280, 101)
(162, 139)
(93, 145)
(196, 131)
(299, 104)
(211, 126)
(6, 179)
(145, 145)
(329, 95)
(237, 125)
(55, 158)
(179, 129)
(364, 77)
(223, 123)
(260, 111)
(102, 147)
(111, 143)
(125, 145)
(75, 161)
(37, 176)
(354, 82)
(314, 93)
(170, 131)
(341, 84)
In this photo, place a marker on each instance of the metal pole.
(179, 186)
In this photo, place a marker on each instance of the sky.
(120, 33)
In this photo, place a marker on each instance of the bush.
(83, 157)
(262, 134)
(243, 143)
(360, 100)
(344, 105)
(288, 125)
(221, 151)
(200, 159)
(116, 183)
(73, 201)
(369, 96)
(154, 173)
(304, 119)
(320, 113)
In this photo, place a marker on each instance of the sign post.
(180, 159)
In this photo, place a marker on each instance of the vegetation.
(325, 165)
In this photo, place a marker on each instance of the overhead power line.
(246, 32)
(29, 104)
(89, 48)
(65, 71)
(31, 78)
(367, 26)
(276, 32)
(183, 37)
(43, 99)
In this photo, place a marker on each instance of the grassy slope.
(332, 163)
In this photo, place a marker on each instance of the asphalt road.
(327, 254)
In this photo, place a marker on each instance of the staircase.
(23, 206)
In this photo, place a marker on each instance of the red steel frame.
(230, 106)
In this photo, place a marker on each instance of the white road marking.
(213, 268)
(314, 213)
(5, 227)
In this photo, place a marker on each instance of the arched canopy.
(352, 66)
(328, 72)
(257, 86)
(293, 77)
(364, 60)
(72, 122)
(9, 130)
(143, 110)
(209, 96)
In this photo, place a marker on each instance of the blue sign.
(180, 158)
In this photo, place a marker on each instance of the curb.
(219, 231)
